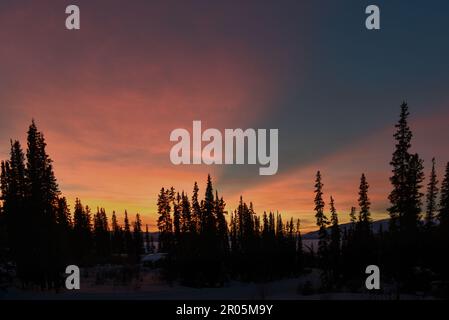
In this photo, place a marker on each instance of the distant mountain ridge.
(377, 225)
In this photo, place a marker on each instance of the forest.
(207, 246)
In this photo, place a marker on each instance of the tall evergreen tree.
(335, 240)
(42, 205)
(82, 232)
(209, 242)
(321, 219)
(164, 222)
(432, 194)
(364, 235)
(322, 223)
(43, 186)
(177, 211)
(187, 224)
(196, 209)
(335, 228)
(405, 209)
(364, 203)
(138, 237)
(117, 245)
(222, 226)
(234, 232)
(406, 180)
(15, 195)
(101, 236)
(415, 178)
(127, 236)
(443, 228)
(443, 214)
(64, 229)
(63, 217)
(399, 162)
(208, 219)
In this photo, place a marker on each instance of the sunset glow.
(108, 97)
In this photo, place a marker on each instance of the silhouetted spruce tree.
(271, 225)
(432, 194)
(279, 228)
(364, 236)
(177, 217)
(335, 241)
(240, 222)
(222, 226)
(415, 178)
(322, 223)
(42, 204)
(209, 244)
(407, 177)
(188, 250)
(208, 219)
(244, 246)
(405, 209)
(117, 245)
(101, 236)
(128, 238)
(443, 214)
(88, 236)
(188, 226)
(222, 236)
(364, 203)
(245, 216)
(257, 226)
(82, 233)
(63, 216)
(15, 195)
(164, 222)
(280, 245)
(400, 161)
(64, 227)
(234, 233)
(196, 209)
(264, 224)
(443, 228)
(138, 237)
(429, 248)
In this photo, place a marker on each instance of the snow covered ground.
(149, 287)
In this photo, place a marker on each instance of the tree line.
(206, 245)
(205, 250)
(412, 251)
(37, 229)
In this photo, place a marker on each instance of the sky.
(108, 95)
